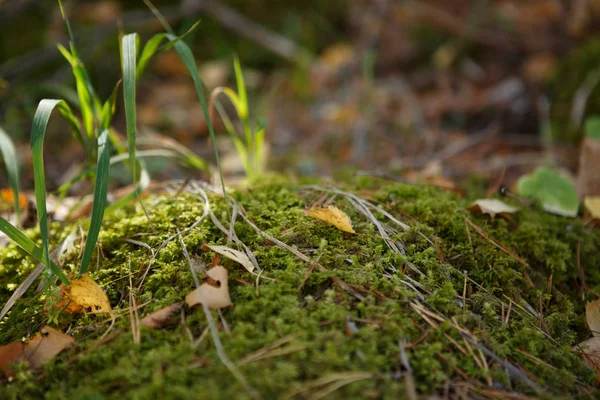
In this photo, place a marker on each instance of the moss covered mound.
(457, 304)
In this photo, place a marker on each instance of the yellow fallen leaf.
(233, 254)
(334, 216)
(492, 207)
(592, 205)
(45, 345)
(592, 316)
(83, 295)
(214, 296)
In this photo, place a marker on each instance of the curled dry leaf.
(592, 316)
(215, 295)
(83, 295)
(592, 205)
(233, 254)
(44, 346)
(590, 350)
(492, 207)
(333, 216)
(161, 318)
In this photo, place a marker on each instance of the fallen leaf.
(10, 354)
(42, 347)
(554, 191)
(592, 205)
(591, 353)
(161, 318)
(492, 207)
(214, 296)
(333, 216)
(592, 316)
(45, 345)
(83, 295)
(8, 196)
(233, 254)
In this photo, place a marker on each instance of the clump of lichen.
(314, 335)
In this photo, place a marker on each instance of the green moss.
(328, 329)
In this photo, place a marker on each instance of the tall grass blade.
(9, 155)
(31, 249)
(159, 16)
(241, 89)
(99, 203)
(190, 63)
(128, 60)
(153, 46)
(38, 131)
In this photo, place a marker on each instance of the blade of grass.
(241, 88)
(109, 108)
(38, 131)
(30, 248)
(128, 60)
(153, 46)
(81, 76)
(99, 203)
(159, 16)
(9, 155)
(190, 63)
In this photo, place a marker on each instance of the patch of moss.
(328, 330)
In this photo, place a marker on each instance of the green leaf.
(554, 191)
(9, 155)
(592, 127)
(128, 60)
(99, 203)
(38, 131)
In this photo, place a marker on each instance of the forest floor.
(425, 298)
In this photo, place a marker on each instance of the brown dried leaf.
(333, 216)
(233, 254)
(45, 345)
(161, 318)
(214, 296)
(84, 295)
(492, 207)
(9, 354)
(592, 316)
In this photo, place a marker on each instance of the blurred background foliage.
(389, 85)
